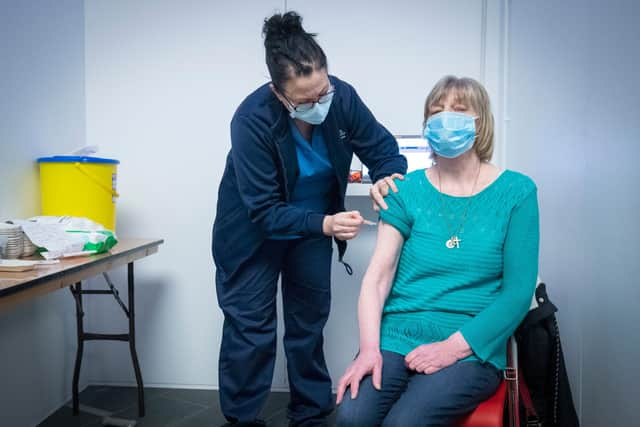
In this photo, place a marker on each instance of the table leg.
(132, 340)
(77, 295)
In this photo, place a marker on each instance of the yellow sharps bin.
(80, 186)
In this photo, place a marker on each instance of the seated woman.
(452, 276)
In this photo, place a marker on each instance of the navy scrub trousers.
(248, 350)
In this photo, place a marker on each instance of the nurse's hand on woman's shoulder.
(381, 188)
(343, 225)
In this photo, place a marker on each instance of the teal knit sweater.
(483, 288)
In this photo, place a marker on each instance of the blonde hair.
(472, 94)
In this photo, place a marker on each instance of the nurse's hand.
(343, 225)
(381, 188)
(367, 363)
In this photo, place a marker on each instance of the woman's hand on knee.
(430, 358)
(367, 362)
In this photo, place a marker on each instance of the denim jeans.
(411, 399)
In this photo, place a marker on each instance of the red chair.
(490, 413)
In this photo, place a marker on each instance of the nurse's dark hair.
(290, 50)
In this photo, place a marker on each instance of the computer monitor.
(416, 150)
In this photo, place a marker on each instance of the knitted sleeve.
(488, 332)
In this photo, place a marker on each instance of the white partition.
(574, 124)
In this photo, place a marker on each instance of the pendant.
(453, 242)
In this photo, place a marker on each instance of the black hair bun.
(281, 27)
(289, 50)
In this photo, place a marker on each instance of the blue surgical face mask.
(450, 134)
(316, 114)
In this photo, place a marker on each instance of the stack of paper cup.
(14, 246)
(28, 248)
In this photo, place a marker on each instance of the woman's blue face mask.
(450, 134)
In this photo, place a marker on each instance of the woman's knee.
(355, 413)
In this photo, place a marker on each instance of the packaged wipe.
(60, 236)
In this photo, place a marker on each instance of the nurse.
(280, 203)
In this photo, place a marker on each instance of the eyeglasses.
(306, 106)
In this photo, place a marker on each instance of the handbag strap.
(511, 375)
(517, 388)
(530, 411)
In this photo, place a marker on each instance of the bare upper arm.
(384, 262)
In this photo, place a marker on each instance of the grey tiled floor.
(164, 408)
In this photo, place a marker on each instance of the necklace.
(454, 240)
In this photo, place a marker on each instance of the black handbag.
(542, 368)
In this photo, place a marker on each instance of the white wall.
(573, 110)
(41, 113)
(163, 80)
